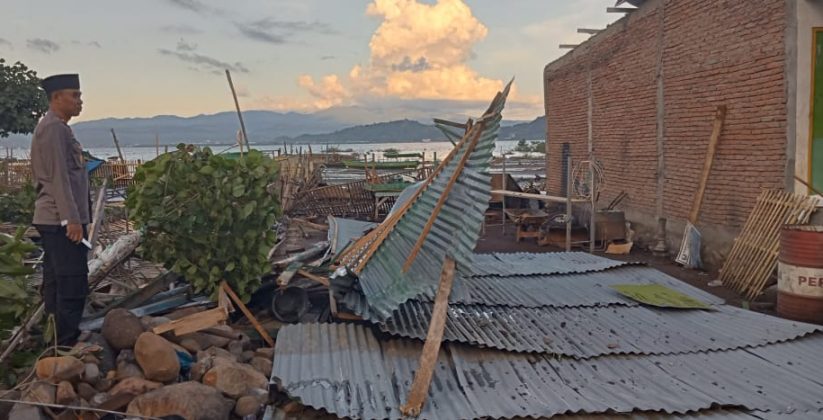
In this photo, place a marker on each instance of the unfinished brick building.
(641, 95)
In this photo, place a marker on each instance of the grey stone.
(121, 328)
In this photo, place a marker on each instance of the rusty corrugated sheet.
(596, 331)
(344, 369)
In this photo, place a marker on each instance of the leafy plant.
(22, 102)
(16, 295)
(528, 147)
(17, 205)
(207, 217)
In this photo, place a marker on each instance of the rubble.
(191, 400)
(121, 329)
(61, 368)
(156, 357)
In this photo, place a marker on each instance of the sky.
(168, 57)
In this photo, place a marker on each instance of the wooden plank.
(285, 277)
(194, 322)
(314, 277)
(98, 215)
(620, 9)
(541, 197)
(588, 31)
(719, 118)
(434, 337)
(567, 46)
(442, 199)
(248, 314)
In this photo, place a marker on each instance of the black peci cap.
(60, 82)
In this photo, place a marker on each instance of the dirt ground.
(494, 240)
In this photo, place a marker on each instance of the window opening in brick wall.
(815, 174)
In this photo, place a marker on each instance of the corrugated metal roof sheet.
(557, 290)
(566, 290)
(528, 263)
(455, 229)
(591, 332)
(342, 231)
(343, 369)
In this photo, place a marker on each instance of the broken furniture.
(384, 192)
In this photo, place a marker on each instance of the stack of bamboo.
(753, 258)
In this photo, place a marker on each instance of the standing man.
(61, 211)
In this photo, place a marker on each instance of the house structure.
(640, 97)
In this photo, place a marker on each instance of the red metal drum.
(800, 273)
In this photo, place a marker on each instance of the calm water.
(149, 152)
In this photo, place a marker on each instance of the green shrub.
(207, 217)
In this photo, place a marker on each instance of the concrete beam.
(568, 46)
(620, 9)
(588, 31)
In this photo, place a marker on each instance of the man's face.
(68, 102)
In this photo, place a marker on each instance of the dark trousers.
(65, 281)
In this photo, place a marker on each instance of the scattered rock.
(157, 357)
(245, 340)
(26, 412)
(235, 348)
(90, 358)
(128, 370)
(126, 355)
(106, 355)
(99, 399)
(262, 365)
(191, 345)
(65, 393)
(199, 369)
(265, 352)
(42, 392)
(91, 373)
(5, 408)
(246, 356)
(191, 400)
(216, 352)
(247, 406)
(121, 328)
(60, 368)
(86, 391)
(134, 386)
(235, 379)
(104, 384)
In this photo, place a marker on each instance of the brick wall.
(715, 52)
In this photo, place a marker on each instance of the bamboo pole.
(245, 138)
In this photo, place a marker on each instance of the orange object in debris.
(800, 273)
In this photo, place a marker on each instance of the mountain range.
(268, 127)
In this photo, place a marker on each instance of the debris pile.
(127, 368)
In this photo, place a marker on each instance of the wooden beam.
(194, 322)
(442, 199)
(248, 314)
(588, 31)
(314, 277)
(540, 197)
(428, 358)
(719, 118)
(568, 46)
(620, 9)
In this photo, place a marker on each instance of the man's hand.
(74, 232)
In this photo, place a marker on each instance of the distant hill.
(407, 130)
(268, 127)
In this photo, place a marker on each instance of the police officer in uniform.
(63, 205)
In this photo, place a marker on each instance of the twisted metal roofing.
(344, 369)
(342, 231)
(455, 228)
(590, 332)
